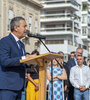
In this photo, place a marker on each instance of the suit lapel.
(74, 63)
(14, 42)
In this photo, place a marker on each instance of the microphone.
(35, 35)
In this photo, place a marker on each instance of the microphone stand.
(44, 45)
(51, 68)
(50, 51)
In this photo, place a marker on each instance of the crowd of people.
(76, 85)
(71, 79)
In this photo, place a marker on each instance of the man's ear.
(15, 28)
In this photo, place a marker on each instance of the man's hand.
(26, 75)
(54, 77)
(65, 87)
(30, 56)
(82, 88)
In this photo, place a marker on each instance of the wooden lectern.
(42, 61)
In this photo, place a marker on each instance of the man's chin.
(22, 37)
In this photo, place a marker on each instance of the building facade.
(62, 26)
(86, 23)
(29, 9)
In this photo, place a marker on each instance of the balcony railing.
(55, 14)
(61, 5)
(61, 18)
(48, 2)
(56, 28)
(61, 31)
(85, 0)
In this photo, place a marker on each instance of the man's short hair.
(73, 52)
(15, 22)
(79, 48)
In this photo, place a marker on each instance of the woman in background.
(32, 90)
(58, 75)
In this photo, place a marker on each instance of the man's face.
(72, 55)
(89, 61)
(79, 52)
(21, 30)
(80, 60)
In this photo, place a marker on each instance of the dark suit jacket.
(66, 69)
(12, 72)
(70, 64)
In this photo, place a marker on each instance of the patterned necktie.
(20, 47)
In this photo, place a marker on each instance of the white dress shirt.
(23, 57)
(80, 76)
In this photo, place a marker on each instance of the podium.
(41, 61)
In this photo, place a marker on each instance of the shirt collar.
(15, 37)
(75, 59)
(81, 67)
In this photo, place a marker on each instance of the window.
(30, 23)
(69, 42)
(84, 47)
(84, 19)
(76, 44)
(36, 22)
(10, 16)
(84, 7)
(79, 45)
(84, 31)
(54, 41)
(89, 20)
(89, 50)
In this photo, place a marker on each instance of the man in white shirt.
(80, 79)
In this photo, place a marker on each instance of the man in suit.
(70, 64)
(12, 72)
(72, 54)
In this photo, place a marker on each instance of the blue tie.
(20, 47)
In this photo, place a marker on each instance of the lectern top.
(46, 56)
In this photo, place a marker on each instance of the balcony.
(36, 2)
(60, 1)
(63, 6)
(55, 19)
(85, 12)
(86, 38)
(59, 31)
(86, 1)
(55, 14)
(86, 34)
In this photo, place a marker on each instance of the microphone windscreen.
(27, 32)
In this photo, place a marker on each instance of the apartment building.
(86, 23)
(61, 24)
(29, 9)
